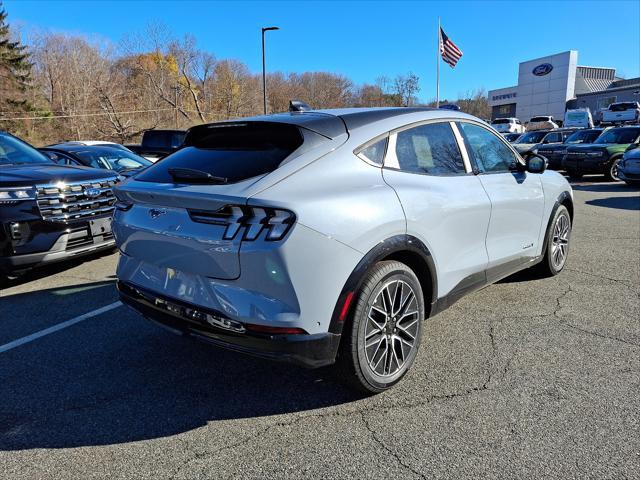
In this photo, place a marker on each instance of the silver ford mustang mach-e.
(321, 237)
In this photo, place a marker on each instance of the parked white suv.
(508, 125)
(541, 122)
(328, 236)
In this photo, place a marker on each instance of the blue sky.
(364, 40)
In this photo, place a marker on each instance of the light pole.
(264, 69)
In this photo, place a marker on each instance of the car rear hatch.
(183, 213)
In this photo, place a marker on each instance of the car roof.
(85, 142)
(73, 148)
(333, 122)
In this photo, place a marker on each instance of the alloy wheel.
(391, 329)
(560, 241)
(613, 172)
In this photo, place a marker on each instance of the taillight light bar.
(248, 221)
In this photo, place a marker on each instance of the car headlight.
(16, 194)
(595, 154)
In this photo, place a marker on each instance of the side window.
(430, 149)
(374, 153)
(553, 138)
(489, 152)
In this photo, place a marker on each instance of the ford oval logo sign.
(542, 69)
(92, 192)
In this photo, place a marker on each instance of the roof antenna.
(298, 106)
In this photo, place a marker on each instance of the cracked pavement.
(527, 378)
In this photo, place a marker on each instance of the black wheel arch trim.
(563, 198)
(383, 250)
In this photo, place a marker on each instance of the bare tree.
(406, 87)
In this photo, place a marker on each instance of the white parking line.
(34, 336)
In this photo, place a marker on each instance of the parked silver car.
(629, 166)
(329, 236)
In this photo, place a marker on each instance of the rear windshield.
(235, 151)
(500, 121)
(540, 119)
(619, 107)
(160, 139)
(619, 135)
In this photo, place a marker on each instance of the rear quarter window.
(235, 151)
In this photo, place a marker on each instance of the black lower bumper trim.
(17, 263)
(311, 351)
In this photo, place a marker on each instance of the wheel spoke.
(397, 298)
(372, 342)
(387, 301)
(406, 303)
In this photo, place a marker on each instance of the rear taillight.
(249, 222)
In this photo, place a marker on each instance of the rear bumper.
(309, 351)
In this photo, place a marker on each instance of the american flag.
(449, 50)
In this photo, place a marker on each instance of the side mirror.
(535, 163)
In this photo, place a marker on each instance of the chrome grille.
(64, 202)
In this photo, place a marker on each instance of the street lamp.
(264, 73)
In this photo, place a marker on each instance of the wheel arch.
(565, 200)
(404, 248)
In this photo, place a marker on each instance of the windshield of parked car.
(619, 107)
(619, 135)
(17, 152)
(162, 139)
(500, 121)
(531, 137)
(111, 158)
(583, 137)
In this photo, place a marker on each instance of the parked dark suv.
(601, 156)
(49, 212)
(555, 152)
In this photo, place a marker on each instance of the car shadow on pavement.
(51, 269)
(623, 203)
(606, 187)
(117, 378)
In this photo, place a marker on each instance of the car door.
(517, 200)
(445, 204)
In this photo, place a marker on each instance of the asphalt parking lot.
(526, 378)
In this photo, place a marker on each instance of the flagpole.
(438, 68)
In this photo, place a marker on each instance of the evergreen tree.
(15, 70)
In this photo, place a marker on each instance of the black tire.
(549, 266)
(612, 172)
(355, 360)
(574, 174)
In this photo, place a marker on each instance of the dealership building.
(549, 85)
